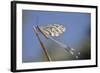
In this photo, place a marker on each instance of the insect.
(55, 30)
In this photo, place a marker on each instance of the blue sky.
(76, 25)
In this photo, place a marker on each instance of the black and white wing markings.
(53, 29)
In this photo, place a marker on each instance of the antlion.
(50, 31)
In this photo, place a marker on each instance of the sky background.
(77, 30)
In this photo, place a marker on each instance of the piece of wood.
(42, 45)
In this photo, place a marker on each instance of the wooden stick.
(42, 32)
(42, 45)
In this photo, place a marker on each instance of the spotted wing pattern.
(53, 29)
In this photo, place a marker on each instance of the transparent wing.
(56, 30)
(71, 50)
(52, 29)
